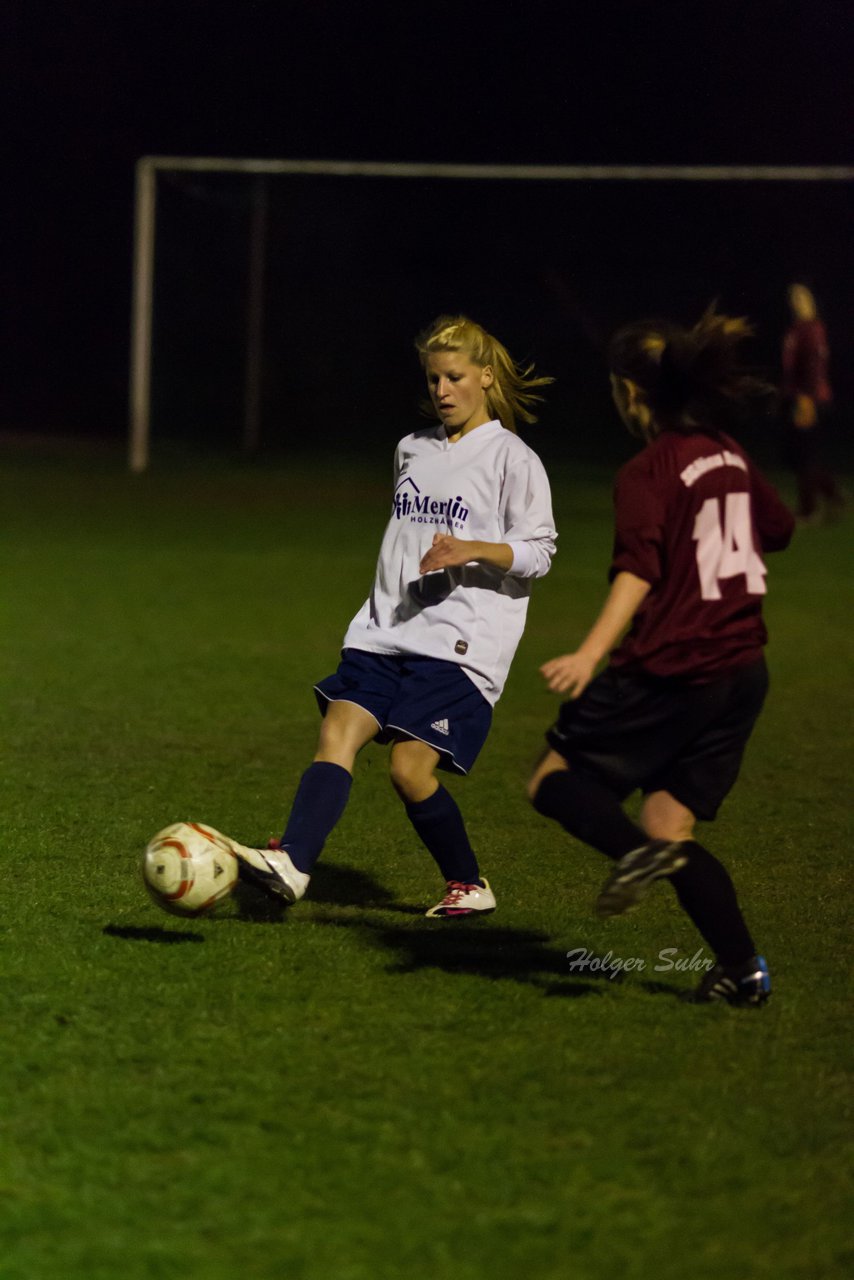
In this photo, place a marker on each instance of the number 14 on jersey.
(725, 550)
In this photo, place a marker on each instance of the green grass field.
(346, 1091)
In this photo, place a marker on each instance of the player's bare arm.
(572, 672)
(448, 552)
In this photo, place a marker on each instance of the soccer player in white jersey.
(426, 657)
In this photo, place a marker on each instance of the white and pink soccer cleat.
(464, 900)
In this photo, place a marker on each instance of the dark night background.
(355, 270)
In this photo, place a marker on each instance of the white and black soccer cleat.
(746, 984)
(463, 900)
(270, 870)
(636, 872)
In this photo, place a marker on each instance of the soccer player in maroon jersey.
(809, 400)
(673, 710)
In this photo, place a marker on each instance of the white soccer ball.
(188, 869)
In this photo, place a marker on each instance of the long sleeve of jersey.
(526, 514)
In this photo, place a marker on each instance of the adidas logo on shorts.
(441, 726)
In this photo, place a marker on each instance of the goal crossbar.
(516, 172)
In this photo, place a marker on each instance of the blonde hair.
(512, 392)
(802, 301)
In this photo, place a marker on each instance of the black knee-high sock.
(320, 800)
(589, 811)
(707, 894)
(440, 826)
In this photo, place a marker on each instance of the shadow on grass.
(152, 933)
(347, 886)
(475, 947)
(520, 955)
(330, 885)
(664, 989)
(256, 907)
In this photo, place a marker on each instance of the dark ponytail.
(692, 378)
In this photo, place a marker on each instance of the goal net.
(278, 302)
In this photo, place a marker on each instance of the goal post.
(145, 219)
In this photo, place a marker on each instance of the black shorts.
(638, 731)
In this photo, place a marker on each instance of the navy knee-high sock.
(707, 894)
(440, 827)
(589, 811)
(321, 798)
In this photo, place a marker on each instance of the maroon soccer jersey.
(693, 515)
(805, 360)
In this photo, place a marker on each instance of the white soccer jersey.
(488, 486)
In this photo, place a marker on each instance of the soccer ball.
(188, 869)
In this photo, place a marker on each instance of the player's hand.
(445, 552)
(570, 673)
(804, 414)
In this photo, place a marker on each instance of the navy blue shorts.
(634, 731)
(413, 697)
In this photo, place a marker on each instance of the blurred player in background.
(672, 712)
(426, 657)
(809, 400)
